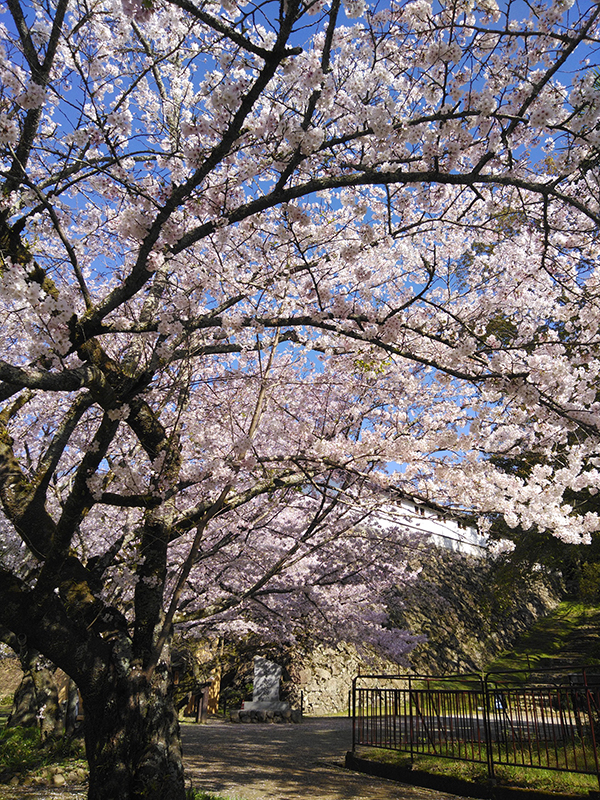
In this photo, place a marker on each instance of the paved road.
(284, 762)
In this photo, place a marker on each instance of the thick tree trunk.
(132, 739)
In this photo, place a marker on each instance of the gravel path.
(284, 762)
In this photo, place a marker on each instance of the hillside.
(568, 636)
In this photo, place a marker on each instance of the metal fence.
(544, 719)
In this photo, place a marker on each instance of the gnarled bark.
(35, 703)
(132, 737)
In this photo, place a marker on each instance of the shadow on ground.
(283, 762)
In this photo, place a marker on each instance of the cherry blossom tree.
(252, 255)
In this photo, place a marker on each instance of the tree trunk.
(35, 703)
(72, 708)
(132, 738)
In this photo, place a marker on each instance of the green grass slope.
(568, 636)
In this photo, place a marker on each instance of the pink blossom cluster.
(261, 268)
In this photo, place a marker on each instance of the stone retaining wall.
(469, 608)
(472, 609)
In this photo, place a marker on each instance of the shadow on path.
(283, 762)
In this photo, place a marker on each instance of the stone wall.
(472, 609)
(325, 678)
(469, 608)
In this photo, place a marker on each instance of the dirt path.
(267, 762)
(42, 793)
(284, 762)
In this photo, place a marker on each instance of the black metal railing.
(547, 719)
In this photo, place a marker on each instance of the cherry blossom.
(263, 269)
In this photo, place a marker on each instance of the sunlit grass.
(550, 641)
(517, 777)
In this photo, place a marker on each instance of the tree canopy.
(251, 255)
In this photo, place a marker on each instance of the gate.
(547, 719)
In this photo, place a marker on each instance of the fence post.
(487, 726)
(592, 721)
(354, 714)
(411, 727)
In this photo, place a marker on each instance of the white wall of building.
(443, 531)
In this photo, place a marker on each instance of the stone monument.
(265, 695)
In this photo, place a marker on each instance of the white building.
(443, 529)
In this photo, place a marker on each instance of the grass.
(570, 634)
(4, 714)
(22, 751)
(516, 777)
